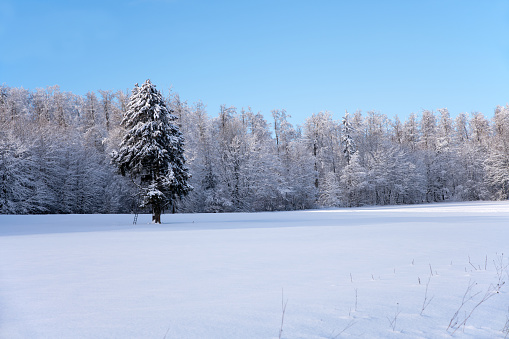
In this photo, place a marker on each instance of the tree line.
(56, 147)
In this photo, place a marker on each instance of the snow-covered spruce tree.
(152, 151)
(349, 147)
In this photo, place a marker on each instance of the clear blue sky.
(395, 57)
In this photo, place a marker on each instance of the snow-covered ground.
(359, 272)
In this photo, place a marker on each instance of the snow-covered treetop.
(151, 137)
(146, 104)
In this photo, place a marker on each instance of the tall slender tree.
(152, 150)
(349, 147)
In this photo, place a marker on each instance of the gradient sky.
(394, 57)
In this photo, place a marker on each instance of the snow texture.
(359, 272)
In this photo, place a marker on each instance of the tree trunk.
(156, 214)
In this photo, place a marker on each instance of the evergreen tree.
(349, 147)
(152, 150)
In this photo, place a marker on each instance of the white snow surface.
(341, 273)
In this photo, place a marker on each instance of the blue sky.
(395, 57)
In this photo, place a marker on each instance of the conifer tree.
(347, 141)
(152, 151)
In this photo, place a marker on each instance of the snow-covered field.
(341, 273)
